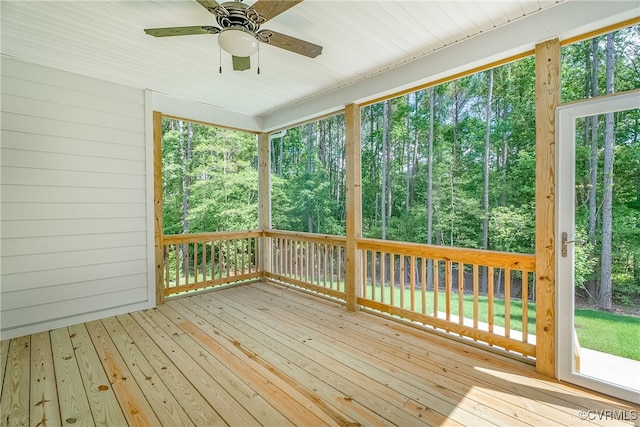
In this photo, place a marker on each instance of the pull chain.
(220, 58)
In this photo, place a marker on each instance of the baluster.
(447, 289)
(490, 274)
(383, 275)
(195, 262)
(423, 276)
(324, 267)
(242, 258)
(476, 285)
(507, 302)
(436, 285)
(331, 257)
(374, 279)
(392, 278)
(412, 282)
(460, 293)
(178, 261)
(341, 284)
(220, 260)
(525, 306)
(401, 274)
(167, 273)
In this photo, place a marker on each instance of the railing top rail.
(481, 257)
(307, 237)
(206, 237)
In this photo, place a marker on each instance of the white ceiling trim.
(205, 113)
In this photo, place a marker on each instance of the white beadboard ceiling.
(362, 41)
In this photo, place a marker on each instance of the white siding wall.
(74, 212)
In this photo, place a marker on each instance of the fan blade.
(241, 63)
(214, 7)
(181, 31)
(269, 9)
(289, 43)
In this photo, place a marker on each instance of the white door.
(597, 369)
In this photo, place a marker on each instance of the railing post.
(547, 99)
(353, 258)
(264, 201)
(157, 206)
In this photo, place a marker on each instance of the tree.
(385, 165)
(605, 296)
(593, 166)
(432, 101)
(487, 151)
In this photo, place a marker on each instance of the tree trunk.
(389, 150)
(383, 174)
(592, 284)
(409, 153)
(430, 187)
(456, 120)
(280, 155)
(487, 151)
(309, 135)
(186, 152)
(605, 300)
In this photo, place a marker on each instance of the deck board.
(72, 397)
(102, 400)
(411, 375)
(45, 410)
(215, 382)
(268, 355)
(195, 405)
(15, 406)
(477, 377)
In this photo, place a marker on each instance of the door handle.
(565, 242)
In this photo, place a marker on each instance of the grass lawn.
(607, 332)
(515, 309)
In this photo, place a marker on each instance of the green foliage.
(210, 179)
(215, 180)
(459, 131)
(309, 178)
(578, 64)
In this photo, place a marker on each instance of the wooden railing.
(196, 261)
(311, 261)
(481, 295)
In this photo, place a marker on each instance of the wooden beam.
(157, 204)
(547, 99)
(353, 260)
(264, 200)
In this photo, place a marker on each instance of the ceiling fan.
(240, 31)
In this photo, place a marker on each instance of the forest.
(451, 165)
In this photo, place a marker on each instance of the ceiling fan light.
(238, 42)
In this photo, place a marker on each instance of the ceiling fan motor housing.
(239, 16)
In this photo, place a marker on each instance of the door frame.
(566, 116)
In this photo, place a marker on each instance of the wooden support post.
(547, 99)
(157, 205)
(264, 200)
(353, 259)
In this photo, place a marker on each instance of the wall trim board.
(73, 320)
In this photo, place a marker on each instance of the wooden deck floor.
(266, 355)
